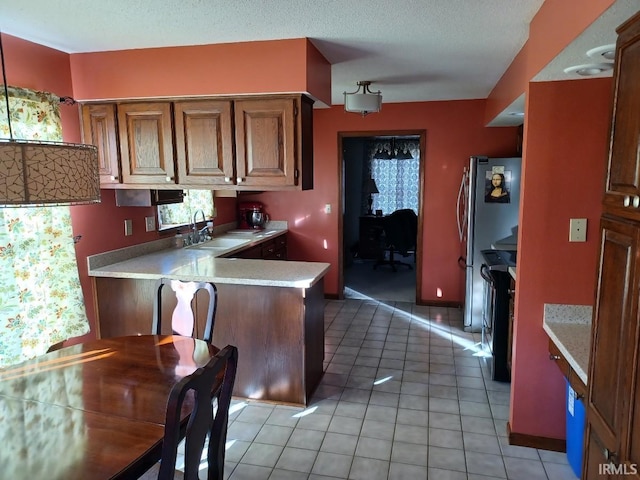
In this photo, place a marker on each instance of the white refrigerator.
(487, 210)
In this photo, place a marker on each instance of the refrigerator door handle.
(461, 214)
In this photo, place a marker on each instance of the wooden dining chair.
(219, 375)
(183, 318)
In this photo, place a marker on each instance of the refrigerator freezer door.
(488, 222)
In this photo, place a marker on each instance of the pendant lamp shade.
(40, 173)
(363, 100)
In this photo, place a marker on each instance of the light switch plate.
(128, 228)
(150, 223)
(578, 230)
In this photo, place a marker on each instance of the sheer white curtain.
(397, 180)
(41, 300)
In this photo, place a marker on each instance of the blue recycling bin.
(576, 417)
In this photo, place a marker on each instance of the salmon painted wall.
(564, 164)
(556, 25)
(273, 66)
(454, 132)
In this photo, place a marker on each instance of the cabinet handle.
(239, 179)
(636, 201)
(626, 201)
(169, 179)
(554, 357)
(227, 179)
(609, 455)
(114, 178)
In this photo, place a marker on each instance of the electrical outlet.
(327, 208)
(128, 228)
(578, 230)
(150, 223)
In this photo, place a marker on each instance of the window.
(397, 179)
(177, 215)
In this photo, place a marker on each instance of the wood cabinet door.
(266, 143)
(614, 334)
(596, 463)
(204, 142)
(146, 143)
(622, 194)
(99, 129)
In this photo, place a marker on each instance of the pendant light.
(38, 173)
(363, 100)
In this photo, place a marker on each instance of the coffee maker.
(251, 215)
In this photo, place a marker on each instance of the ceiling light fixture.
(589, 69)
(363, 100)
(605, 52)
(45, 173)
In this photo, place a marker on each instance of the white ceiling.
(412, 50)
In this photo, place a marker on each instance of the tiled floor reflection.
(404, 396)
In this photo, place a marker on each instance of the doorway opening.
(381, 172)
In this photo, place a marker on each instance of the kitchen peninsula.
(272, 310)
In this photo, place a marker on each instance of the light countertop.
(569, 328)
(158, 259)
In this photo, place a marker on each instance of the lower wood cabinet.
(273, 249)
(279, 331)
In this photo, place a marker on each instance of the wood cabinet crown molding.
(248, 143)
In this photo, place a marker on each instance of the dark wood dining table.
(95, 410)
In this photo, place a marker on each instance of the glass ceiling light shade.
(363, 100)
(45, 173)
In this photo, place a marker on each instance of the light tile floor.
(404, 397)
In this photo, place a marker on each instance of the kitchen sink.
(222, 243)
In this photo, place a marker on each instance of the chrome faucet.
(198, 236)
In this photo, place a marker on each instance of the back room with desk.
(381, 189)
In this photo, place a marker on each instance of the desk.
(370, 241)
(95, 410)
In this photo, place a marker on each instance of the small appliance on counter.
(251, 216)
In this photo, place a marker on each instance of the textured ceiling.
(412, 50)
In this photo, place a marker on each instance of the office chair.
(400, 236)
(183, 316)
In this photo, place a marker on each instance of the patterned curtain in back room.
(394, 164)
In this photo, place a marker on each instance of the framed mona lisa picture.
(497, 186)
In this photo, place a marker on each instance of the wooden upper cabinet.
(204, 142)
(252, 143)
(146, 143)
(99, 129)
(265, 142)
(273, 143)
(622, 195)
